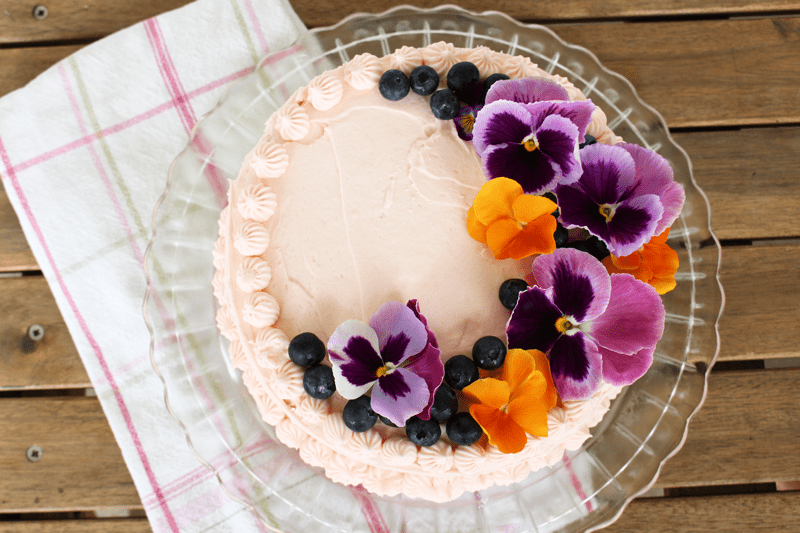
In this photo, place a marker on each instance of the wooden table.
(725, 76)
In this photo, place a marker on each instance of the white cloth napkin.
(84, 154)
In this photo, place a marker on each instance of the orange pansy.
(654, 263)
(513, 224)
(515, 404)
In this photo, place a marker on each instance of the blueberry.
(491, 80)
(462, 429)
(593, 246)
(423, 432)
(588, 141)
(318, 382)
(461, 75)
(445, 104)
(489, 353)
(386, 421)
(509, 292)
(460, 371)
(445, 403)
(424, 80)
(358, 414)
(306, 349)
(394, 85)
(561, 235)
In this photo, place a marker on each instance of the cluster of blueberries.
(488, 353)
(463, 85)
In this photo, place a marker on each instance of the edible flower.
(589, 323)
(465, 121)
(608, 200)
(524, 133)
(515, 404)
(395, 352)
(511, 223)
(655, 263)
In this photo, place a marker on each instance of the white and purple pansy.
(590, 325)
(396, 353)
(530, 137)
(619, 196)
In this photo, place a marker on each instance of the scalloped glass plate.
(590, 487)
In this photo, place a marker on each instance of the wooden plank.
(18, 66)
(67, 19)
(761, 319)
(52, 362)
(751, 179)
(707, 72)
(770, 512)
(328, 12)
(15, 254)
(746, 432)
(81, 466)
(105, 525)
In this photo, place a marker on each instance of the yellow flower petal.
(528, 207)
(550, 397)
(475, 229)
(494, 200)
(490, 392)
(500, 234)
(518, 366)
(530, 416)
(501, 429)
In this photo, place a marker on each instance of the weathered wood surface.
(734, 439)
(15, 254)
(105, 525)
(18, 66)
(50, 363)
(745, 513)
(81, 467)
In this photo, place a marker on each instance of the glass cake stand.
(589, 489)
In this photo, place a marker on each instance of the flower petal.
(501, 429)
(558, 139)
(475, 228)
(581, 285)
(633, 224)
(608, 173)
(654, 175)
(499, 123)
(535, 171)
(518, 366)
(494, 200)
(621, 369)
(576, 365)
(527, 207)
(527, 408)
(633, 320)
(626, 262)
(579, 113)
(399, 395)
(550, 397)
(533, 321)
(491, 392)
(400, 333)
(526, 90)
(500, 234)
(537, 237)
(353, 351)
(427, 364)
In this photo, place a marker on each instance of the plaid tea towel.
(85, 151)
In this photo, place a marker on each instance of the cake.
(354, 211)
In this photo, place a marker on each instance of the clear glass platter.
(589, 489)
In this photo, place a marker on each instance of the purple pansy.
(618, 197)
(522, 134)
(590, 325)
(465, 121)
(396, 353)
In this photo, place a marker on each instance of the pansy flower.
(609, 200)
(465, 121)
(655, 263)
(395, 354)
(517, 403)
(536, 143)
(591, 325)
(513, 224)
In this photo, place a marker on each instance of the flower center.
(388, 368)
(607, 211)
(529, 142)
(563, 324)
(468, 122)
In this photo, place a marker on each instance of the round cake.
(354, 200)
